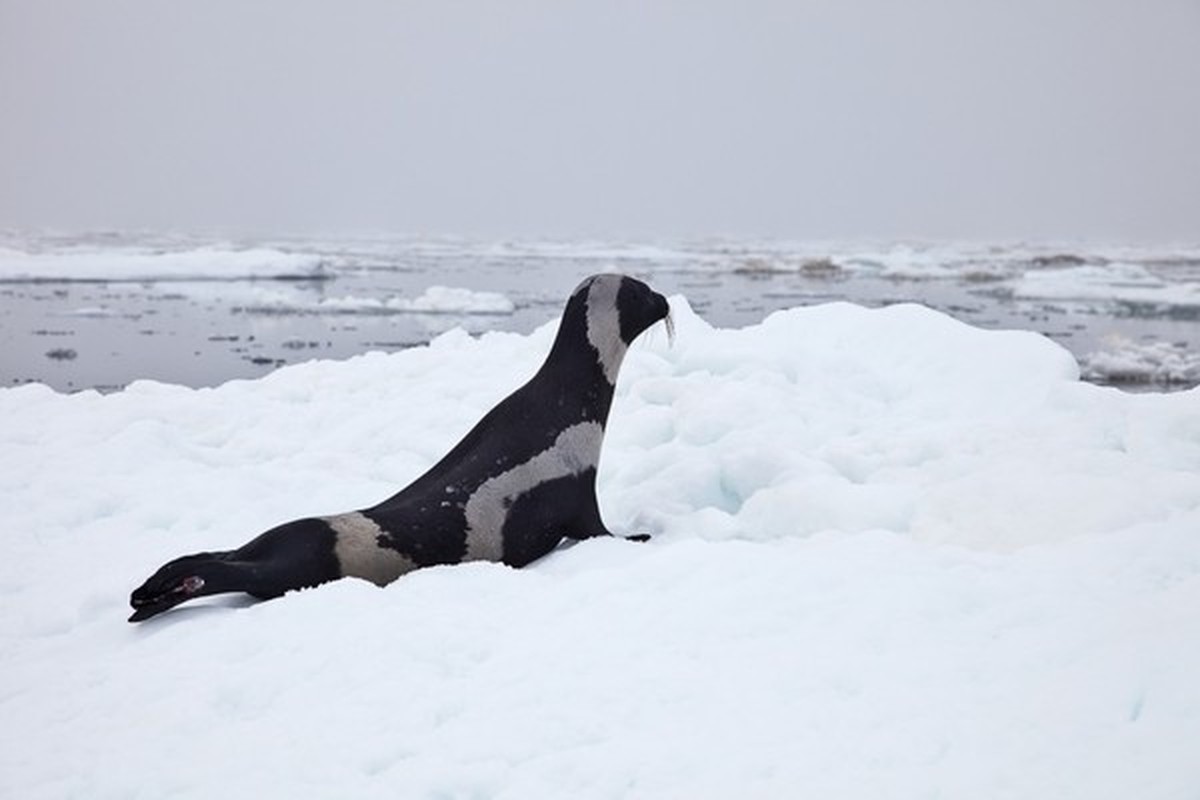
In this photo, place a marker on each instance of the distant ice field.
(100, 311)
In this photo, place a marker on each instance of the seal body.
(519, 482)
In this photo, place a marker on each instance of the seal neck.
(576, 386)
(574, 379)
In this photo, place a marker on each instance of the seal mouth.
(146, 606)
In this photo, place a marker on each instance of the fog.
(858, 118)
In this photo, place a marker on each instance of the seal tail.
(294, 555)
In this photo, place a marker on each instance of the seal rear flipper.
(590, 526)
(146, 610)
(179, 581)
(633, 537)
(195, 576)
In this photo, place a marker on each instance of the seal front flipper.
(591, 527)
(588, 524)
(592, 533)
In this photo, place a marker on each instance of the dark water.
(105, 334)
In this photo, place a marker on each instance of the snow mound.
(894, 556)
(208, 263)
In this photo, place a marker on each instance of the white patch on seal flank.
(575, 450)
(358, 551)
(604, 324)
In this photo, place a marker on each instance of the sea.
(100, 310)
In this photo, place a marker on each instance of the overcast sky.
(803, 119)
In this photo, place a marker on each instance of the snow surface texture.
(893, 556)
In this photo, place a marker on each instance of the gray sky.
(804, 119)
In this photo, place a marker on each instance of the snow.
(893, 556)
(144, 264)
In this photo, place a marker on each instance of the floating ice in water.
(434, 300)
(451, 300)
(97, 312)
(1117, 282)
(140, 264)
(894, 556)
(1150, 275)
(1074, 292)
(1128, 362)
